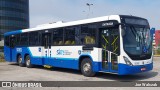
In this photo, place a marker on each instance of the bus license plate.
(143, 69)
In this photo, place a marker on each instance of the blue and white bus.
(117, 44)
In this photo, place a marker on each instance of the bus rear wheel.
(28, 62)
(86, 68)
(20, 63)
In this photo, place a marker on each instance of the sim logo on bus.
(60, 52)
(19, 49)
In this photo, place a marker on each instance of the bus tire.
(86, 68)
(19, 60)
(28, 62)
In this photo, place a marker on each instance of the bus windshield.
(137, 42)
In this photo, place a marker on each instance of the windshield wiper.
(143, 37)
(136, 35)
(133, 31)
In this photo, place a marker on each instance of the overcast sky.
(45, 11)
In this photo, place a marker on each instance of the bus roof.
(65, 24)
(61, 24)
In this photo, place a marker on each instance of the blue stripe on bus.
(128, 70)
(73, 63)
(123, 69)
(13, 33)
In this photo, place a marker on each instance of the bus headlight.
(127, 61)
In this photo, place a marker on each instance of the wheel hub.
(20, 60)
(86, 67)
(28, 62)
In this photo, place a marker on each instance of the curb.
(156, 55)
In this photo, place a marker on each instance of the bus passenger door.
(46, 43)
(110, 49)
(12, 47)
(114, 48)
(104, 43)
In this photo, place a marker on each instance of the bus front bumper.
(128, 70)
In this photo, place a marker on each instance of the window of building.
(58, 37)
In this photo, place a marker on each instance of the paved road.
(12, 72)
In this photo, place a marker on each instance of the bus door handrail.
(110, 51)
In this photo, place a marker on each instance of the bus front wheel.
(28, 62)
(86, 68)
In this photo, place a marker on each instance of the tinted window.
(18, 39)
(33, 38)
(24, 39)
(58, 37)
(69, 34)
(12, 41)
(88, 34)
(6, 41)
(136, 21)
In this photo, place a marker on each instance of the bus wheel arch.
(86, 61)
(28, 61)
(20, 60)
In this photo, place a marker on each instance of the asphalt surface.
(12, 72)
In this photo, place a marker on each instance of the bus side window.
(88, 34)
(18, 39)
(6, 40)
(69, 36)
(12, 41)
(57, 37)
(24, 39)
(89, 40)
(33, 38)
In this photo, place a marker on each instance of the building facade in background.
(14, 15)
(153, 37)
(157, 38)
